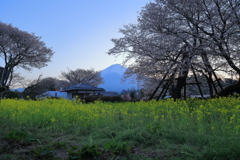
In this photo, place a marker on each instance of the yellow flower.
(53, 120)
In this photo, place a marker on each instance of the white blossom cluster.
(21, 49)
(178, 36)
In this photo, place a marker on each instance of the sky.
(78, 31)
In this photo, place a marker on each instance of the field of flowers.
(218, 117)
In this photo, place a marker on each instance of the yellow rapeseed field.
(214, 116)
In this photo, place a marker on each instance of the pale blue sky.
(79, 31)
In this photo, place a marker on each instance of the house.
(81, 90)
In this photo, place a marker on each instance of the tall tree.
(154, 53)
(88, 76)
(171, 36)
(20, 49)
(216, 24)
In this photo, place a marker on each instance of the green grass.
(61, 129)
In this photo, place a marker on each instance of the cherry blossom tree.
(20, 49)
(88, 76)
(154, 51)
(176, 38)
(217, 28)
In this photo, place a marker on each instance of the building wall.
(85, 93)
(69, 95)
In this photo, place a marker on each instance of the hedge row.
(90, 99)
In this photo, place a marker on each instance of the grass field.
(64, 129)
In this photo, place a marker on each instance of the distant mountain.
(112, 77)
(18, 89)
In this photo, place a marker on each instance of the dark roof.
(82, 87)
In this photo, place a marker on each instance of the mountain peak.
(115, 68)
(112, 77)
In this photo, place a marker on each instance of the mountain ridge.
(112, 77)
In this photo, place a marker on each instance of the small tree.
(61, 84)
(49, 84)
(88, 76)
(33, 89)
(39, 86)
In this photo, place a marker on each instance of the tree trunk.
(4, 76)
(209, 81)
(230, 90)
(162, 80)
(231, 64)
(181, 80)
(180, 84)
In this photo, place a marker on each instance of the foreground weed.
(190, 152)
(7, 157)
(86, 152)
(59, 145)
(155, 128)
(22, 137)
(222, 149)
(44, 152)
(117, 148)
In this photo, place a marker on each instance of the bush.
(91, 99)
(94, 98)
(12, 94)
(116, 99)
(105, 98)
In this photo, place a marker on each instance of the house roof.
(82, 87)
